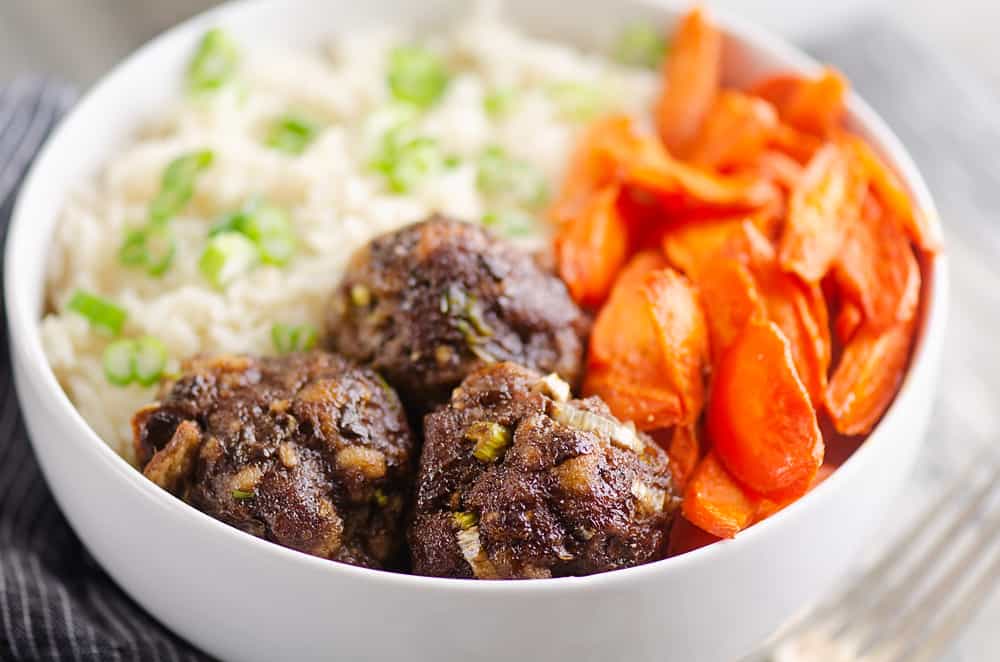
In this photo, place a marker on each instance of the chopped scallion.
(491, 440)
(119, 362)
(501, 174)
(241, 495)
(465, 520)
(499, 102)
(578, 102)
(293, 338)
(150, 360)
(292, 134)
(99, 311)
(214, 63)
(177, 184)
(417, 75)
(152, 247)
(227, 256)
(265, 225)
(407, 163)
(640, 45)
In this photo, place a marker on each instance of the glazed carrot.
(592, 249)
(828, 196)
(735, 132)
(776, 90)
(731, 299)
(770, 506)
(849, 319)
(589, 171)
(877, 270)
(868, 376)
(817, 105)
(894, 197)
(691, 75)
(692, 246)
(715, 502)
(779, 168)
(685, 452)
(760, 418)
(649, 347)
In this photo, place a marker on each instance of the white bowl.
(241, 598)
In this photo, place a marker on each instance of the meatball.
(307, 450)
(430, 303)
(518, 481)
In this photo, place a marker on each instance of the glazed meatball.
(427, 305)
(517, 481)
(307, 450)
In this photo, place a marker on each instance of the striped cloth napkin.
(57, 604)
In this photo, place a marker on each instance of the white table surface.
(80, 39)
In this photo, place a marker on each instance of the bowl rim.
(28, 353)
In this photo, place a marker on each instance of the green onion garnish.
(464, 520)
(416, 75)
(380, 497)
(491, 440)
(150, 360)
(214, 62)
(640, 45)
(265, 225)
(499, 102)
(511, 223)
(227, 256)
(152, 248)
(361, 296)
(406, 163)
(292, 134)
(177, 184)
(501, 174)
(143, 360)
(578, 102)
(99, 311)
(293, 338)
(240, 495)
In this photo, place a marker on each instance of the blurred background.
(932, 69)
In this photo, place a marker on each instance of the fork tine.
(934, 645)
(919, 617)
(896, 592)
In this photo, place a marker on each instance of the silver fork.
(921, 592)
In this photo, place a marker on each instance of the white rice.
(335, 201)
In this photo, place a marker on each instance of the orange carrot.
(691, 76)
(731, 299)
(589, 171)
(736, 131)
(849, 319)
(685, 452)
(715, 502)
(817, 105)
(760, 418)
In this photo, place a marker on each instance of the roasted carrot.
(760, 418)
(649, 347)
(770, 506)
(593, 248)
(691, 75)
(590, 170)
(715, 502)
(817, 105)
(828, 196)
(735, 132)
(868, 376)
(693, 246)
(849, 319)
(685, 452)
(731, 299)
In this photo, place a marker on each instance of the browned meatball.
(307, 450)
(427, 305)
(517, 481)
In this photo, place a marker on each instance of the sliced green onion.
(99, 311)
(119, 362)
(578, 102)
(408, 163)
(640, 45)
(417, 76)
(292, 134)
(150, 360)
(465, 520)
(227, 256)
(502, 174)
(177, 185)
(499, 102)
(214, 62)
(361, 295)
(241, 495)
(380, 498)
(265, 225)
(289, 338)
(511, 223)
(152, 248)
(491, 440)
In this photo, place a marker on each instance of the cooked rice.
(335, 201)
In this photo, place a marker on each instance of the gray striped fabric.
(55, 602)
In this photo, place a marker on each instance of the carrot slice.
(735, 132)
(589, 171)
(877, 270)
(693, 245)
(868, 376)
(894, 196)
(849, 319)
(827, 197)
(649, 346)
(691, 74)
(592, 249)
(731, 299)
(760, 417)
(770, 506)
(779, 168)
(684, 451)
(715, 502)
(817, 105)
(778, 90)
